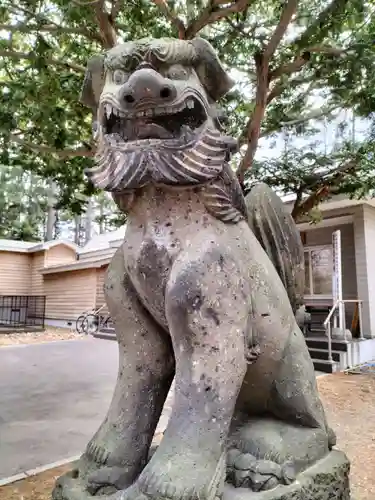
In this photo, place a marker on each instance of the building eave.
(75, 266)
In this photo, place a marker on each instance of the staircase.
(318, 349)
(316, 340)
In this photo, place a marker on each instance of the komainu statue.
(204, 290)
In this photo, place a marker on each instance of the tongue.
(153, 131)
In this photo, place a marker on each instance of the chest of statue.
(149, 255)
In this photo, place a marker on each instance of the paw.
(109, 478)
(246, 471)
(97, 454)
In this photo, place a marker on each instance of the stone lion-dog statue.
(204, 290)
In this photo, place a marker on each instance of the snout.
(146, 86)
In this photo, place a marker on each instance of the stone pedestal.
(328, 479)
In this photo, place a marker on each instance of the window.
(318, 271)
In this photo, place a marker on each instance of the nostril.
(129, 98)
(165, 92)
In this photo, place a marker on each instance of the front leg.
(119, 450)
(207, 307)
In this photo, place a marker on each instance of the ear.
(210, 70)
(93, 82)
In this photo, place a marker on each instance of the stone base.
(328, 479)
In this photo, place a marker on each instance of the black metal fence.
(22, 311)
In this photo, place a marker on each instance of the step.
(322, 343)
(108, 329)
(320, 354)
(104, 336)
(326, 366)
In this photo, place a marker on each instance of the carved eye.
(177, 73)
(119, 76)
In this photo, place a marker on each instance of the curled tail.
(277, 232)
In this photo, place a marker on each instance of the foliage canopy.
(295, 63)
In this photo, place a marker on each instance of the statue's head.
(155, 115)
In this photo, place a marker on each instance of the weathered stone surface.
(193, 295)
(328, 479)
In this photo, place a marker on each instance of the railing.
(20, 311)
(327, 323)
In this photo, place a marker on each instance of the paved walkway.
(53, 397)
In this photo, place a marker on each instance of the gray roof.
(32, 246)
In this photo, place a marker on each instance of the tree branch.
(48, 28)
(175, 20)
(281, 28)
(322, 24)
(115, 10)
(211, 14)
(50, 60)
(61, 154)
(314, 115)
(325, 189)
(106, 26)
(262, 62)
(293, 67)
(255, 122)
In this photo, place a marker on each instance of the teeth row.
(109, 109)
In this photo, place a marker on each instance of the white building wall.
(364, 235)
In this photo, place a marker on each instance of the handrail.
(327, 321)
(330, 314)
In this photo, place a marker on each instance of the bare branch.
(49, 60)
(176, 21)
(286, 17)
(61, 154)
(48, 28)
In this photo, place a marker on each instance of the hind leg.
(118, 451)
(266, 451)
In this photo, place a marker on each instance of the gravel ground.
(349, 401)
(49, 335)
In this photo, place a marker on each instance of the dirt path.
(350, 404)
(49, 335)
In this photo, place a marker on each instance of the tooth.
(190, 103)
(149, 112)
(140, 114)
(115, 111)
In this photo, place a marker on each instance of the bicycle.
(91, 321)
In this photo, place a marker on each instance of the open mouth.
(161, 123)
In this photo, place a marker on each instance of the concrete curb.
(37, 470)
(47, 342)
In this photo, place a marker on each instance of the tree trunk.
(88, 220)
(51, 213)
(77, 229)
